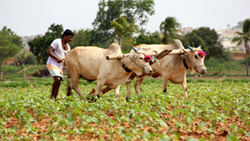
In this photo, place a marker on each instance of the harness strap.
(185, 63)
(126, 68)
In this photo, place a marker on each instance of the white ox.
(91, 63)
(173, 67)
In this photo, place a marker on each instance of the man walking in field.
(57, 52)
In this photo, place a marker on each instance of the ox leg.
(103, 91)
(106, 90)
(132, 76)
(99, 88)
(78, 91)
(92, 92)
(128, 90)
(184, 86)
(164, 84)
(138, 83)
(74, 84)
(69, 93)
(117, 91)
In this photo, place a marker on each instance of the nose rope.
(132, 57)
(192, 63)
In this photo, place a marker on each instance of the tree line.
(121, 21)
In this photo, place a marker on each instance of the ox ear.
(135, 49)
(190, 48)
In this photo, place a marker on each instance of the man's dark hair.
(68, 32)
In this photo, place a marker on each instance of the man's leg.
(55, 87)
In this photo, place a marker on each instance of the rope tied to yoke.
(154, 71)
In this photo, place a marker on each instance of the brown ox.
(91, 64)
(173, 67)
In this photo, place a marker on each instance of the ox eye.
(196, 57)
(141, 57)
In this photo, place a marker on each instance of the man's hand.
(59, 60)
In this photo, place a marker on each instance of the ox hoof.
(128, 99)
(92, 98)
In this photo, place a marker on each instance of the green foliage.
(112, 10)
(40, 44)
(211, 109)
(169, 28)
(10, 44)
(244, 36)
(149, 38)
(222, 66)
(207, 39)
(82, 37)
(127, 43)
(123, 29)
(193, 40)
(243, 62)
(26, 57)
(13, 73)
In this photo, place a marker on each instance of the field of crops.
(218, 110)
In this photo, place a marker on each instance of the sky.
(32, 17)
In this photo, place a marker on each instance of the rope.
(154, 71)
(165, 65)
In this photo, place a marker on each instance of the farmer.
(57, 51)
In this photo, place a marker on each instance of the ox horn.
(135, 49)
(199, 47)
(190, 48)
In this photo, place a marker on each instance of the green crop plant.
(213, 109)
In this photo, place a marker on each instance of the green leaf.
(161, 122)
(191, 138)
(165, 138)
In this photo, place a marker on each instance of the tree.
(26, 57)
(81, 38)
(112, 10)
(40, 44)
(206, 38)
(244, 36)
(149, 38)
(193, 40)
(124, 29)
(169, 28)
(10, 44)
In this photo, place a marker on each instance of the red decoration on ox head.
(201, 53)
(147, 58)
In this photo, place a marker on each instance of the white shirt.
(59, 52)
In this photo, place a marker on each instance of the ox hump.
(177, 44)
(114, 48)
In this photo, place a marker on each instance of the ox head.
(138, 62)
(195, 60)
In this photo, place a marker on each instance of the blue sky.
(32, 17)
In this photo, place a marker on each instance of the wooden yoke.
(179, 52)
(115, 57)
(163, 53)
